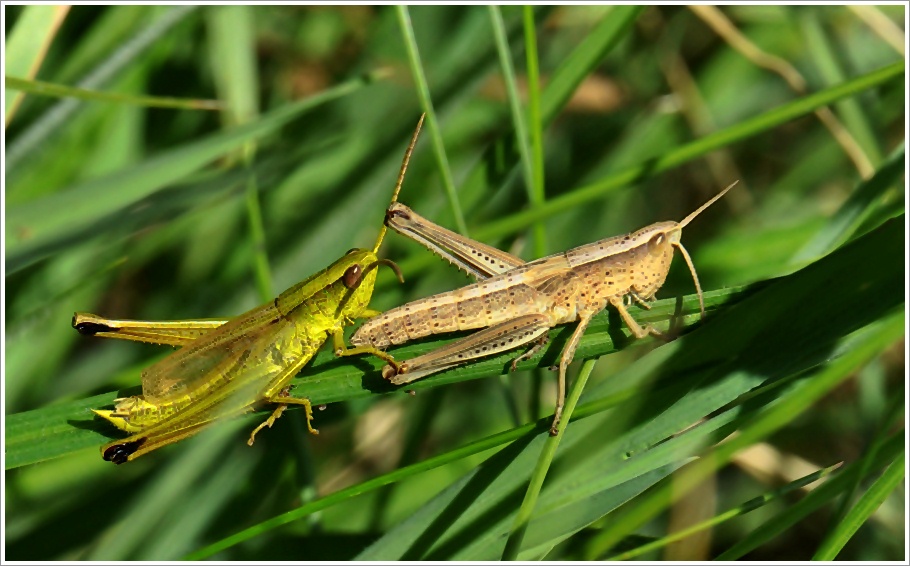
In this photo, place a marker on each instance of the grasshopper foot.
(308, 409)
(392, 369)
(668, 336)
(268, 423)
(554, 427)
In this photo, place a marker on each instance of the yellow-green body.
(248, 358)
(227, 367)
(237, 364)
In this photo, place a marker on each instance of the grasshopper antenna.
(404, 167)
(702, 208)
(685, 254)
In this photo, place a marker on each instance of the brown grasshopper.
(517, 303)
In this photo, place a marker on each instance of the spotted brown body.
(514, 303)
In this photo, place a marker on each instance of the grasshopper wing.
(258, 342)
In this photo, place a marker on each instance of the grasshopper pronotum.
(227, 367)
(517, 303)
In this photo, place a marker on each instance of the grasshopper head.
(356, 273)
(654, 251)
(662, 237)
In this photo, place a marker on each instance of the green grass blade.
(768, 421)
(535, 125)
(64, 91)
(613, 27)
(864, 508)
(364, 487)
(177, 481)
(234, 60)
(232, 50)
(535, 197)
(832, 73)
(523, 517)
(426, 102)
(687, 152)
(856, 210)
(52, 121)
(26, 45)
(817, 498)
(892, 416)
(33, 225)
(738, 511)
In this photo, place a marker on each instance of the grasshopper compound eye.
(655, 243)
(351, 276)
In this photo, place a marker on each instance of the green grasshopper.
(228, 367)
(514, 303)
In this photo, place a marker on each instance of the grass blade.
(613, 27)
(737, 511)
(523, 517)
(535, 196)
(52, 120)
(423, 91)
(35, 225)
(26, 47)
(64, 91)
(687, 152)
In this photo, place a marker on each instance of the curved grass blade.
(36, 227)
(721, 138)
(864, 508)
(65, 91)
(49, 123)
(27, 44)
(423, 91)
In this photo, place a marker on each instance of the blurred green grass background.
(134, 210)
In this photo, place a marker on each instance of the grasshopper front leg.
(637, 330)
(341, 350)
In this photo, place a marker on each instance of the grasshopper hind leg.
(495, 339)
